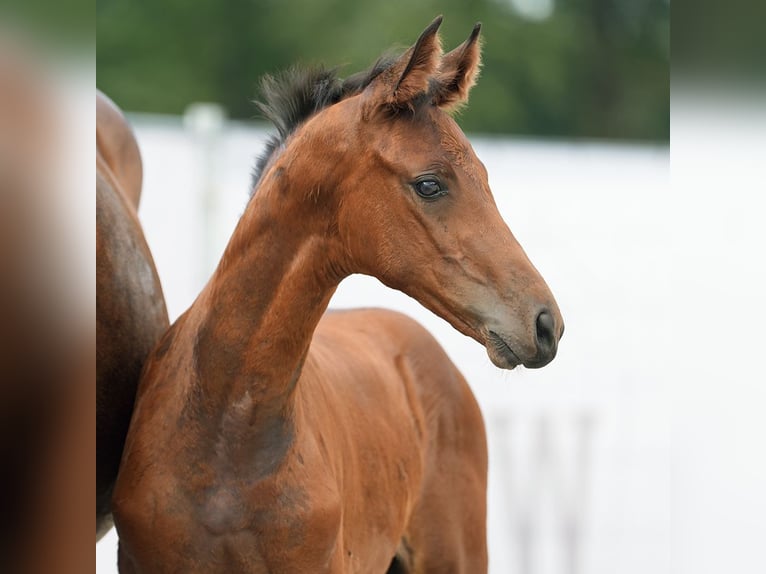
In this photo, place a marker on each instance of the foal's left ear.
(408, 78)
(458, 72)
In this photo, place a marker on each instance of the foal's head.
(409, 200)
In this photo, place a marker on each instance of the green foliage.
(594, 68)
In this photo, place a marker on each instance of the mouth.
(500, 353)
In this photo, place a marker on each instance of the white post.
(206, 122)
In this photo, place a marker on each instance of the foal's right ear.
(407, 79)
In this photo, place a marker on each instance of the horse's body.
(130, 308)
(351, 477)
(266, 440)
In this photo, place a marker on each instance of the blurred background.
(573, 69)
(571, 118)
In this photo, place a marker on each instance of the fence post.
(206, 122)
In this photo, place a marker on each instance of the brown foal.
(130, 308)
(268, 438)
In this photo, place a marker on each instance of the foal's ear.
(408, 78)
(458, 72)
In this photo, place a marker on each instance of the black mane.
(290, 98)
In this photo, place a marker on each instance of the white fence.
(579, 451)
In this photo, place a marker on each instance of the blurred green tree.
(572, 68)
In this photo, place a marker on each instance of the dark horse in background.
(130, 308)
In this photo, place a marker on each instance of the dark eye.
(429, 188)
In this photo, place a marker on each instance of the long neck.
(260, 311)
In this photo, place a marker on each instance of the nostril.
(546, 339)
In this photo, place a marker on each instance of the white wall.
(580, 451)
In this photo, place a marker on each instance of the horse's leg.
(124, 563)
(448, 533)
(447, 530)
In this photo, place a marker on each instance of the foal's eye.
(429, 188)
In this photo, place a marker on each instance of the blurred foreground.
(47, 339)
